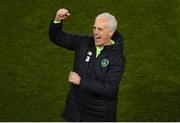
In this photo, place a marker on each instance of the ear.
(110, 33)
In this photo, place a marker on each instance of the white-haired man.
(98, 68)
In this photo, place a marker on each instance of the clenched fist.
(74, 78)
(62, 14)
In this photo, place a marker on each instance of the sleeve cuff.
(82, 84)
(56, 22)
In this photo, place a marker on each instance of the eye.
(98, 28)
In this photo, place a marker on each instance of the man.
(98, 68)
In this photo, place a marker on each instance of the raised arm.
(65, 40)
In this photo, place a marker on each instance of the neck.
(109, 42)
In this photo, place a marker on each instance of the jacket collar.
(117, 37)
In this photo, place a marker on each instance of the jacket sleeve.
(109, 87)
(65, 40)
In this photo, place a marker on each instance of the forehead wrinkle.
(101, 23)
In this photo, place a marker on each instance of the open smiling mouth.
(97, 37)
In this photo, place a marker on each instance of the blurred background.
(34, 71)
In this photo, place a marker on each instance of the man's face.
(102, 34)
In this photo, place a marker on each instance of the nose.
(95, 31)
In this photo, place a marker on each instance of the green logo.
(104, 62)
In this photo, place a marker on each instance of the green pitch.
(34, 71)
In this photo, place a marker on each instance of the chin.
(97, 42)
(99, 45)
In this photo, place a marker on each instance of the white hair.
(112, 20)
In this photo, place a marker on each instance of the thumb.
(68, 14)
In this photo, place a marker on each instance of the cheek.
(105, 35)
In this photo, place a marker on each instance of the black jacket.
(95, 99)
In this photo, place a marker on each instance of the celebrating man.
(98, 68)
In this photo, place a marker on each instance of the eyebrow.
(98, 27)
